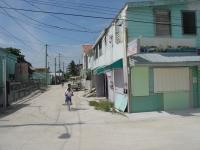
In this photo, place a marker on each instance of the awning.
(165, 59)
(114, 65)
(99, 70)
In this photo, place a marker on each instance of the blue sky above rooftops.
(63, 33)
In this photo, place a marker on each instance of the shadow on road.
(184, 113)
(11, 109)
(25, 125)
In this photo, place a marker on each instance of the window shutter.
(162, 22)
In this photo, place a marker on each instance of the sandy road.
(44, 123)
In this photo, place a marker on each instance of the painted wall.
(165, 100)
(43, 76)
(176, 100)
(10, 64)
(198, 80)
(195, 86)
(153, 102)
(143, 24)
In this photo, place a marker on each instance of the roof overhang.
(183, 59)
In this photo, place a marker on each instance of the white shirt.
(69, 93)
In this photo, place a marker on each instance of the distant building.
(39, 70)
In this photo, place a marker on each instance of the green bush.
(93, 103)
(102, 105)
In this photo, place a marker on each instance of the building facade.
(163, 72)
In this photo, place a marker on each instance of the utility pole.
(59, 66)
(55, 71)
(63, 69)
(4, 81)
(79, 69)
(46, 63)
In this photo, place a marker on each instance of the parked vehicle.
(75, 82)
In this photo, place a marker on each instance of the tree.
(20, 58)
(73, 69)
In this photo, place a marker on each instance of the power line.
(22, 39)
(50, 32)
(88, 16)
(60, 18)
(83, 5)
(73, 8)
(37, 55)
(18, 39)
(52, 26)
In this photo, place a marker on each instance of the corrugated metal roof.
(164, 58)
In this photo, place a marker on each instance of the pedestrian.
(69, 92)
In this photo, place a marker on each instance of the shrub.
(104, 105)
(93, 103)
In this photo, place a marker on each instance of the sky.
(64, 34)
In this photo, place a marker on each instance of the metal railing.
(18, 90)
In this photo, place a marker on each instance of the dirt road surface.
(42, 122)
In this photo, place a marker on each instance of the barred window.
(163, 23)
(189, 22)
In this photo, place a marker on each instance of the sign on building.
(133, 47)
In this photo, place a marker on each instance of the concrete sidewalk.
(44, 123)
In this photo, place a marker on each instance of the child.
(68, 94)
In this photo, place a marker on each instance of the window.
(189, 22)
(162, 23)
(100, 48)
(97, 52)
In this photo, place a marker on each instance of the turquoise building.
(10, 64)
(42, 75)
(165, 71)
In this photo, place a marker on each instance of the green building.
(42, 75)
(11, 60)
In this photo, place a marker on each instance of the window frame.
(183, 11)
(170, 28)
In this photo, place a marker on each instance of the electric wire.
(88, 16)
(60, 18)
(52, 26)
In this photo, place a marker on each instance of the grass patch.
(103, 105)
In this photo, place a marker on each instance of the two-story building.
(149, 58)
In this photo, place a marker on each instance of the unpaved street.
(44, 123)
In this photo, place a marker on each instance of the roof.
(165, 59)
(8, 52)
(86, 48)
(158, 3)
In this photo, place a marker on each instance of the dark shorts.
(67, 98)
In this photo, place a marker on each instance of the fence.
(18, 90)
